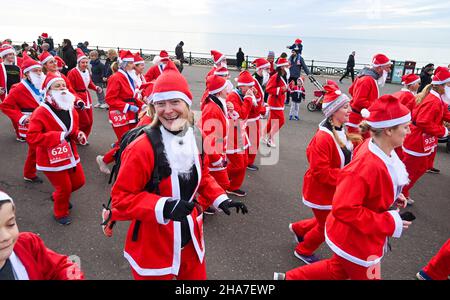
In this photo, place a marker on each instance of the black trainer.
(252, 168)
(434, 171)
(239, 193)
(210, 211)
(36, 179)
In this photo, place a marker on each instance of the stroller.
(316, 103)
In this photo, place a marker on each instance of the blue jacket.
(295, 67)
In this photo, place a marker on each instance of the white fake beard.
(37, 80)
(382, 80)
(135, 78)
(179, 151)
(266, 77)
(288, 73)
(446, 96)
(229, 88)
(63, 99)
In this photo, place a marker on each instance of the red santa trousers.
(65, 182)
(190, 267)
(335, 268)
(275, 122)
(29, 168)
(439, 266)
(86, 120)
(314, 237)
(253, 132)
(221, 178)
(416, 167)
(432, 156)
(302, 227)
(119, 131)
(236, 169)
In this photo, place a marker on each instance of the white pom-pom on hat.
(365, 113)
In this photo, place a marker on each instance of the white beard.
(288, 73)
(266, 77)
(382, 80)
(63, 98)
(37, 80)
(446, 96)
(180, 151)
(135, 78)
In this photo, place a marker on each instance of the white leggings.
(295, 106)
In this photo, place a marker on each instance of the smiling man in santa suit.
(10, 72)
(18, 106)
(81, 81)
(160, 62)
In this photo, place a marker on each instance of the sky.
(113, 22)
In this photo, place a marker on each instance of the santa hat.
(217, 56)
(410, 79)
(245, 79)
(298, 41)
(49, 80)
(80, 55)
(164, 56)
(138, 59)
(261, 63)
(385, 112)
(126, 55)
(6, 49)
(28, 64)
(441, 75)
(5, 197)
(215, 84)
(281, 62)
(380, 60)
(222, 71)
(171, 85)
(334, 99)
(60, 62)
(44, 35)
(45, 57)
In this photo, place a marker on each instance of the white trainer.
(102, 166)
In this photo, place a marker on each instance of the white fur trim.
(23, 118)
(418, 154)
(398, 223)
(20, 273)
(282, 65)
(446, 132)
(63, 135)
(381, 65)
(47, 59)
(7, 51)
(316, 206)
(351, 125)
(31, 68)
(49, 84)
(217, 169)
(263, 66)
(441, 82)
(218, 90)
(139, 62)
(159, 208)
(171, 95)
(245, 84)
(276, 108)
(219, 200)
(81, 58)
(219, 59)
(217, 163)
(72, 164)
(200, 251)
(365, 113)
(253, 119)
(415, 81)
(390, 123)
(4, 196)
(125, 109)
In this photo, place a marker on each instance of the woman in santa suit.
(54, 132)
(165, 239)
(328, 152)
(360, 222)
(124, 108)
(23, 255)
(81, 81)
(51, 64)
(276, 88)
(427, 126)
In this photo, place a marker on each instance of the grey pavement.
(237, 247)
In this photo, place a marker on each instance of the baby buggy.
(316, 103)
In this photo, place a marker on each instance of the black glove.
(227, 204)
(80, 104)
(177, 210)
(407, 216)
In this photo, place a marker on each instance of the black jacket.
(425, 79)
(70, 57)
(97, 71)
(351, 62)
(107, 72)
(240, 57)
(179, 53)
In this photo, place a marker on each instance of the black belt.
(356, 111)
(25, 110)
(80, 91)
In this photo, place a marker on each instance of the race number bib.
(60, 153)
(118, 118)
(429, 142)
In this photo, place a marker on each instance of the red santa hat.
(217, 56)
(334, 99)
(138, 59)
(298, 41)
(28, 64)
(441, 75)
(50, 79)
(410, 79)
(245, 79)
(171, 85)
(126, 55)
(5, 197)
(45, 57)
(164, 56)
(222, 71)
(60, 62)
(80, 55)
(385, 112)
(261, 63)
(44, 35)
(6, 49)
(281, 62)
(380, 60)
(215, 84)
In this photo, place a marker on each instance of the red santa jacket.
(260, 109)
(214, 125)
(237, 135)
(153, 72)
(81, 85)
(364, 92)
(407, 98)
(120, 94)
(32, 260)
(359, 224)
(427, 126)
(157, 250)
(19, 105)
(277, 96)
(326, 160)
(47, 131)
